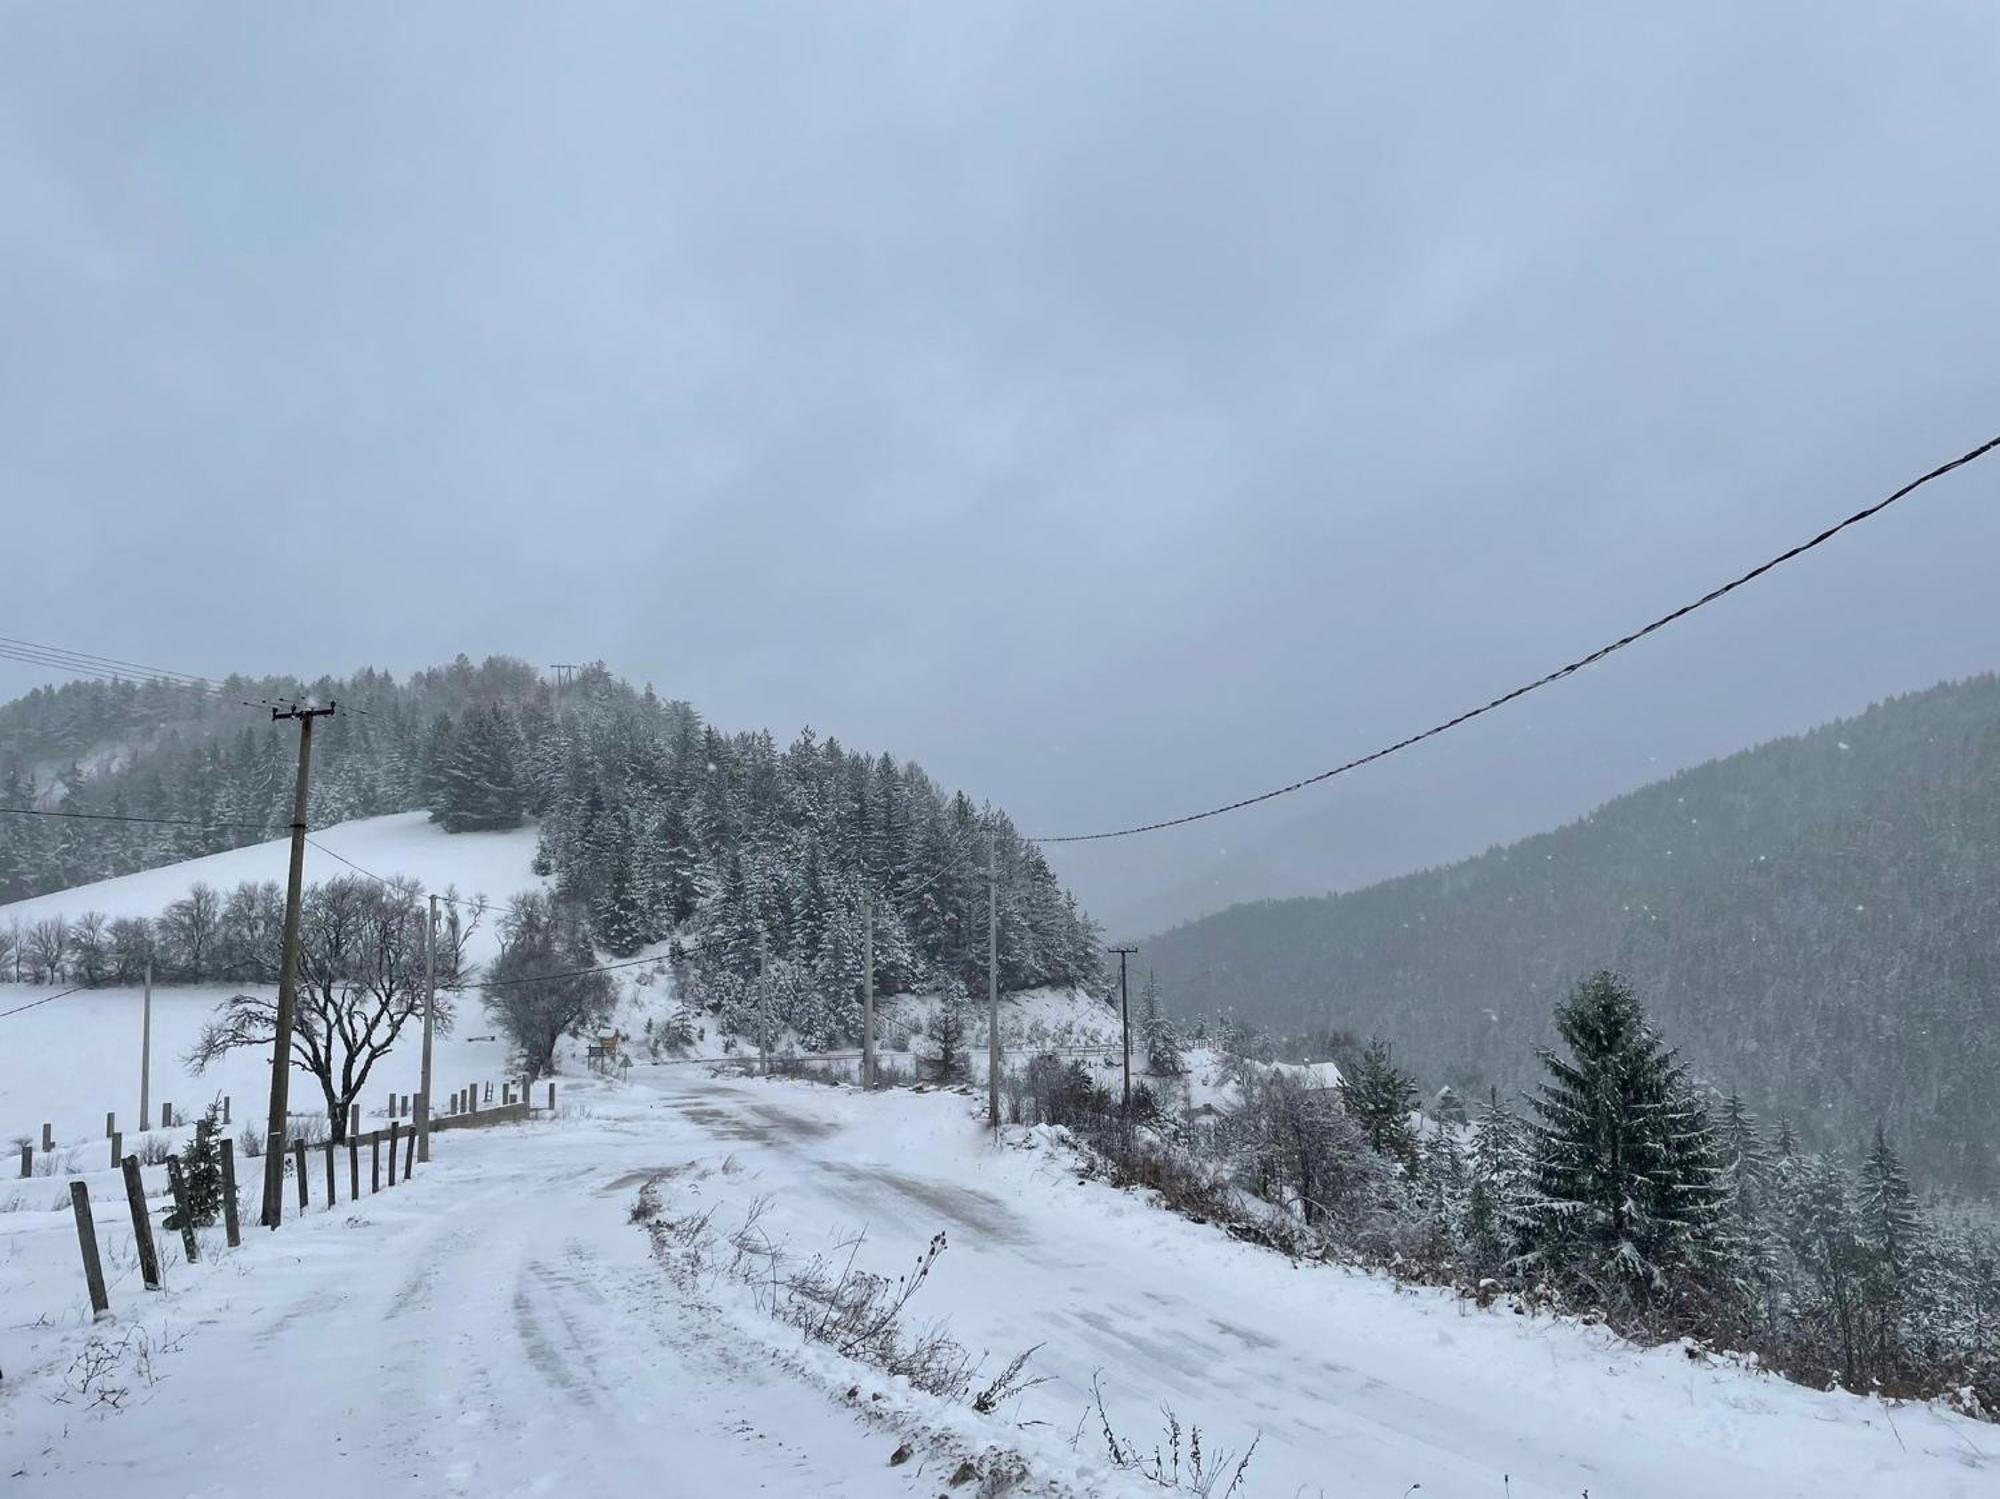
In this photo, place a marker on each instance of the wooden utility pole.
(1125, 1012)
(146, 1054)
(430, 1028)
(868, 990)
(993, 980)
(764, 995)
(288, 969)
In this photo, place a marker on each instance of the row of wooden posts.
(464, 1102)
(112, 1134)
(142, 1224)
(467, 1100)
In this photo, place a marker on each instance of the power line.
(51, 999)
(114, 669)
(89, 658)
(1552, 677)
(180, 822)
(573, 973)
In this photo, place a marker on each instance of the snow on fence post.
(86, 1240)
(392, 1152)
(178, 1188)
(230, 1223)
(299, 1164)
(142, 1225)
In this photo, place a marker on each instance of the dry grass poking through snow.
(861, 1315)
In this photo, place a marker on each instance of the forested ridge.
(1814, 921)
(654, 825)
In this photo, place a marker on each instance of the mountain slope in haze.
(1813, 922)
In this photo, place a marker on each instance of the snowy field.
(497, 865)
(501, 1327)
(70, 1062)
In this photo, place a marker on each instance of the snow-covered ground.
(70, 1062)
(497, 865)
(499, 1327)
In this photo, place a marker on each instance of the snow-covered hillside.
(70, 1062)
(496, 865)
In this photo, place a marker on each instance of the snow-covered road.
(499, 1327)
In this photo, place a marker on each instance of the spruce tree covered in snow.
(201, 1171)
(480, 786)
(1165, 1051)
(1628, 1189)
(1381, 1098)
(1501, 1177)
(947, 1033)
(1886, 1227)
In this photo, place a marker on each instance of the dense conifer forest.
(652, 824)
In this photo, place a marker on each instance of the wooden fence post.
(392, 1152)
(552, 1095)
(225, 1108)
(375, 1161)
(472, 1097)
(142, 1226)
(331, 1197)
(299, 1163)
(86, 1240)
(27, 1160)
(117, 1148)
(409, 1153)
(166, 1116)
(274, 1160)
(353, 1120)
(230, 1224)
(353, 1167)
(48, 1138)
(110, 1124)
(178, 1188)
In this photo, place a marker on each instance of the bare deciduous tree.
(90, 948)
(535, 992)
(47, 947)
(187, 931)
(361, 980)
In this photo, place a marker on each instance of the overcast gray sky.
(1116, 407)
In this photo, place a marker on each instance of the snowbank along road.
(501, 1327)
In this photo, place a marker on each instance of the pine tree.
(1381, 1098)
(1161, 1034)
(1627, 1168)
(1887, 1229)
(948, 1031)
(1501, 1172)
(201, 1171)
